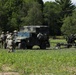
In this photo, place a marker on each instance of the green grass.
(39, 62)
(53, 42)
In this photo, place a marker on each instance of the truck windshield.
(23, 34)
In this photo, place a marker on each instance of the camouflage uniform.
(5, 44)
(70, 40)
(10, 44)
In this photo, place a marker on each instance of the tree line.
(58, 15)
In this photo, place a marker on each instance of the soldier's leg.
(5, 45)
(11, 49)
(1, 44)
(8, 50)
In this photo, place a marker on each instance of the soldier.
(10, 44)
(5, 44)
(39, 36)
(70, 40)
(7, 38)
(7, 33)
(2, 37)
(14, 34)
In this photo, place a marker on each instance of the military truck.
(29, 36)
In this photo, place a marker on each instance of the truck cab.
(29, 36)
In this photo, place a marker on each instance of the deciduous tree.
(69, 25)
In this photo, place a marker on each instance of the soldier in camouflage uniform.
(9, 44)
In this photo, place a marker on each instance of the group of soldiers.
(71, 41)
(7, 40)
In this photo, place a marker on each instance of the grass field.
(39, 62)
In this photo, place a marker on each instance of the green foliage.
(51, 17)
(34, 16)
(9, 16)
(69, 25)
(17, 13)
(66, 7)
(12, 13)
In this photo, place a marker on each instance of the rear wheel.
(43, 46)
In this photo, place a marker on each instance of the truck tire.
(43, 46)
(29, 47)
(23, 45)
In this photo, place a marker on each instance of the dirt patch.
(70, 69)
(42, 74)
(67, 68)
(7, 67)
(9, 73)
(8, 70)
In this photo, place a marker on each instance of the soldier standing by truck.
(10, 45)
(6, 34)
(40, 35)
(14, 35)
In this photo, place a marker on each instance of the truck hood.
(19, 38)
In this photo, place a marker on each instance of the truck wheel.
(23, 45)
(42, 47)
(29, 47)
